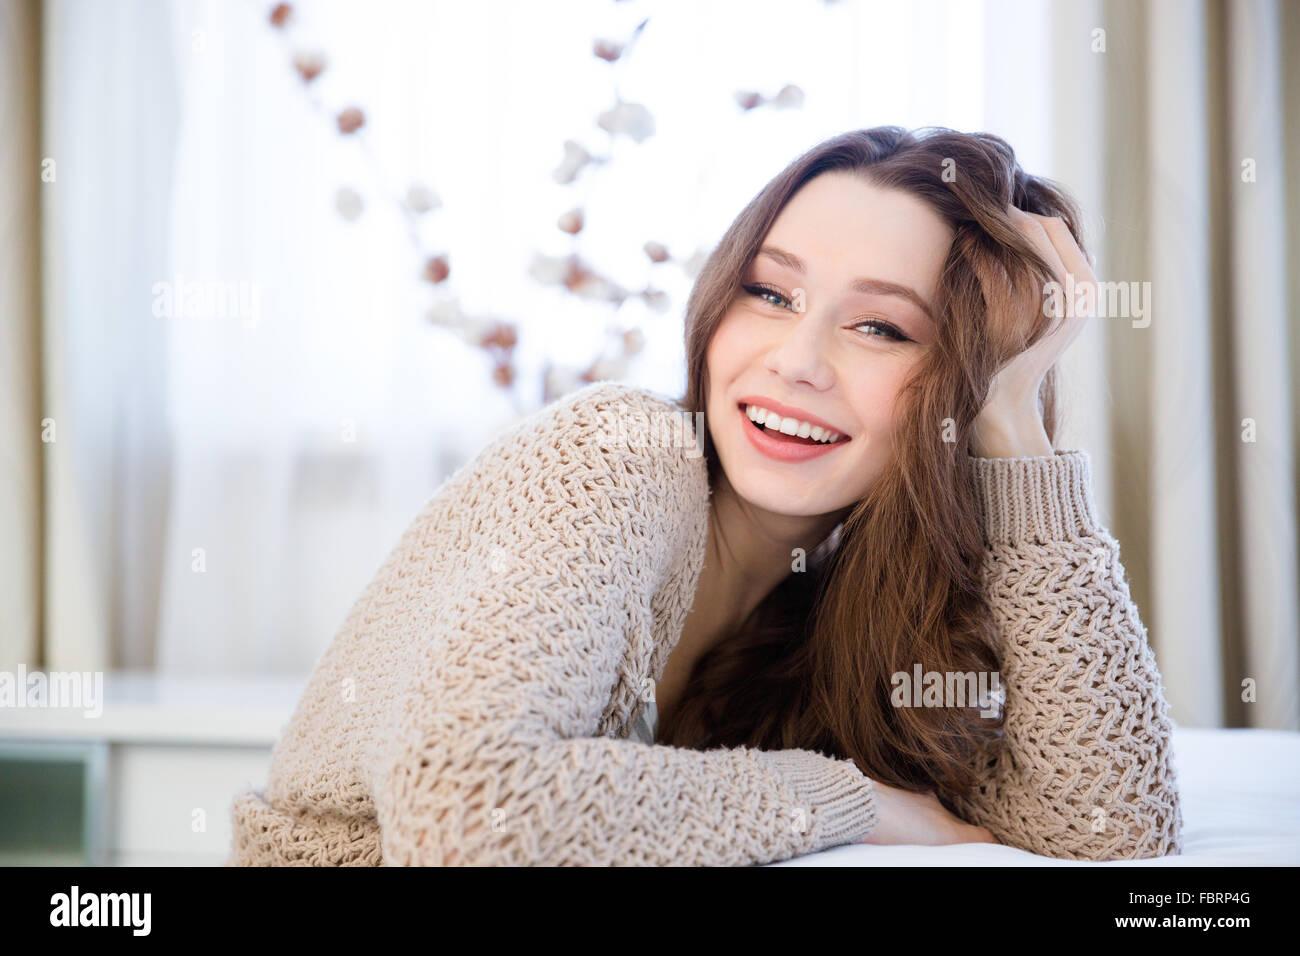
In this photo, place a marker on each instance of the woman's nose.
(801, 353)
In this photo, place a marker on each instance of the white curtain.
(210, 513)
(109, 113)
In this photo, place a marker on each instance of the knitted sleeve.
(1086, 769)
(515, 600)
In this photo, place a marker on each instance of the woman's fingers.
(1068, 251)
(1032, 225)
(1052, 239)
(1070, 257)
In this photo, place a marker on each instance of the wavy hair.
(899, 582)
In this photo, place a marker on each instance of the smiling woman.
(592, 646)
(865, 292)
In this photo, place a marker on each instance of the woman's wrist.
(1010, 436)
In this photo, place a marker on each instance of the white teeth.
(791, 426)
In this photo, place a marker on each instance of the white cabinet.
(149, 780)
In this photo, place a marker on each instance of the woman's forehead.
(844, 234)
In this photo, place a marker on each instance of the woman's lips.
(781, 449)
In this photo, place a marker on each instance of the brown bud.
(280, 14)
(503, 375)
(576, 275)
(657, 251)
(436, 269)
(501, 335)
(351, 120)
(571, 222)
(607, 50)
(308, 65)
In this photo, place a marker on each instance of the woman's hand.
(919, 819)
(1010, 425)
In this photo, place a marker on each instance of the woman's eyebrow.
(865, 286)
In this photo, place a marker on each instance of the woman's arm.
(1087, 769)
(514, 607)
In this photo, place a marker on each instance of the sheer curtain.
(108, 132)
(271, 455)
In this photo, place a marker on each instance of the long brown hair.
(899, 583)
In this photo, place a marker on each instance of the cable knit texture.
(1087, 767)
(480, 702)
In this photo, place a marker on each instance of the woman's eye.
(761, 290)
(884, 329)
(879, 329)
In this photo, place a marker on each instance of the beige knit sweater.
(478, 704)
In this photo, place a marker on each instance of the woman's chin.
(780, 497)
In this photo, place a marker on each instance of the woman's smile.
(787, 439)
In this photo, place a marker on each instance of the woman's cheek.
(728, 339)
(877, 403)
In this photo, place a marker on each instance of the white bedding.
(1241, 806)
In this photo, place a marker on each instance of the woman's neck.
(750, 551)
(748, 554)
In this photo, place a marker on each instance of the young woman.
(597, 646)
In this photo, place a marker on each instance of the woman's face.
(833, 317)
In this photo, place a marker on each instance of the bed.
(1241, 806)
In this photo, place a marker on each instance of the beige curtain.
(21, 456)
(1177, 136)
(85, 163)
